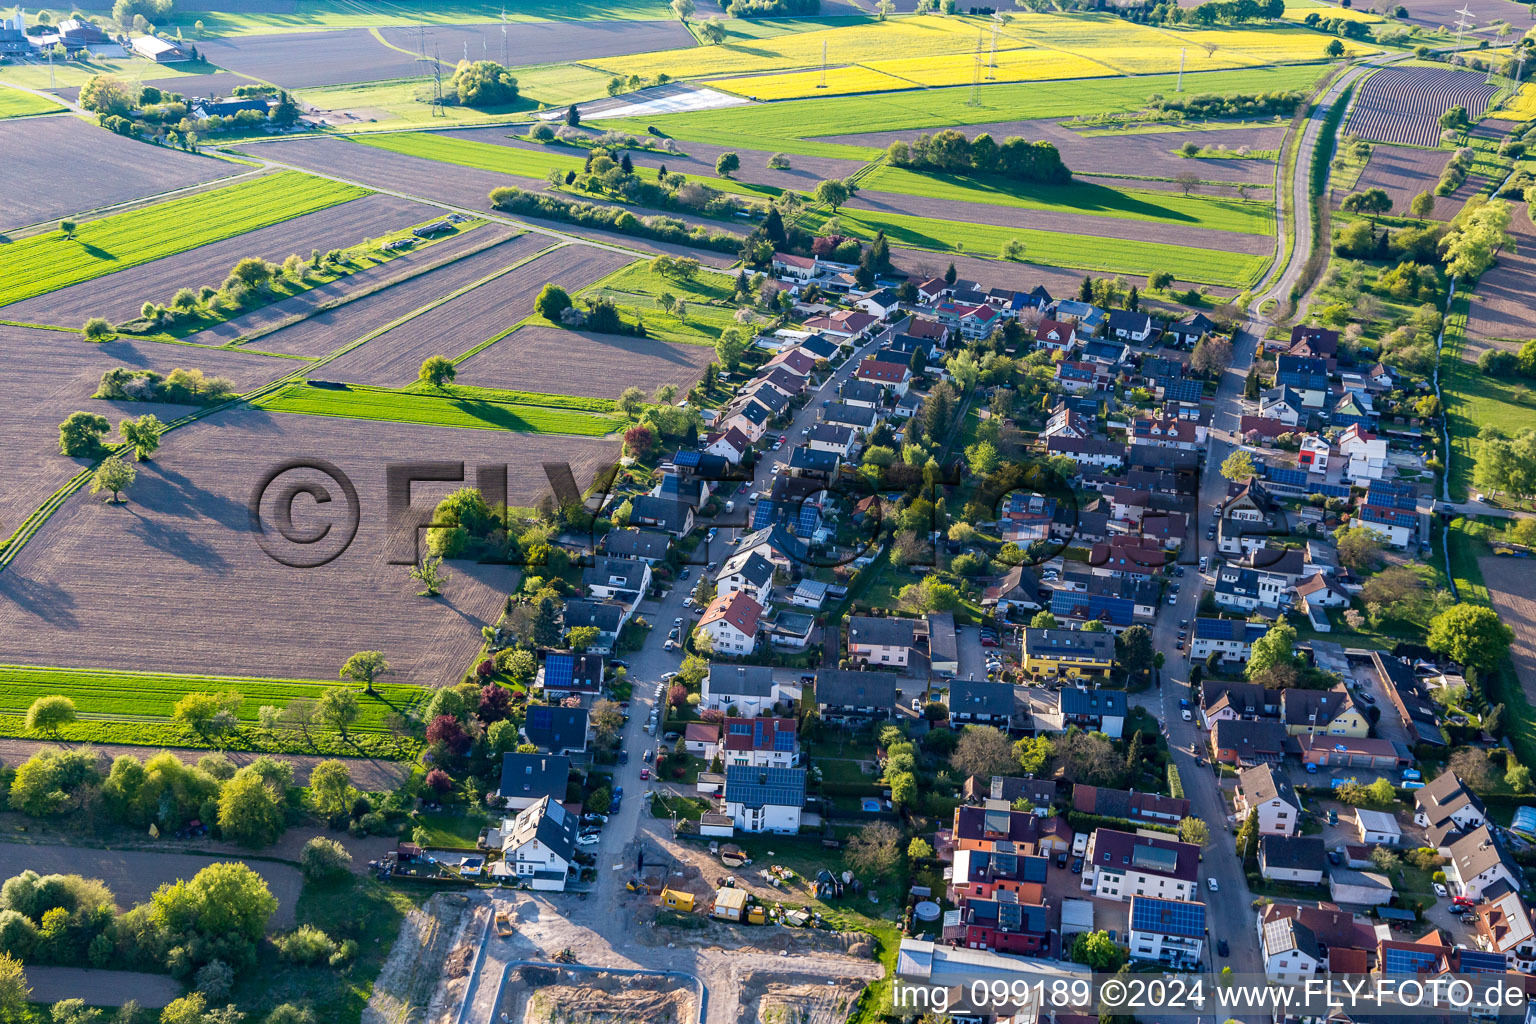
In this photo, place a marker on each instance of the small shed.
(1377, 828)
(730, 904)
(713, 824)
(677, 899)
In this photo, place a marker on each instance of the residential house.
(1129, 326)
(852, 697)
(1088, 452)
(673, 517)
(1323, 712)
(1087, 318)
(1065, 421)
(1003, 924)
(1245, 590)
(1168, 931)
(1288, 858)
(799, 361)
(844, 325)
(1128, 555)
(1264, 791)
(1505, 926)
(861, 394)
(788, 384)
(1174, 432)
(1245, 743)
(880, 303)
(731, 621)
(974, 701)
(1190, 330)
(764, 799)
(1478, 861)
(1056, 336)
(1391, 510)
(807, 461)
(702, 739)
(747, 690)
(832, 438)
(1139, 808)
(788, 267)
(1081, 375)
(1284, 405)
(760, 743)
(1016, 589)
(1106, 353)
(1366, 454)
(1122, 865)
(1446, 800)
(1409, 698)
(893, 377)
(1096, 710)
(1289, 948)
(539, 845)
(556, 729)
(1011, 790)
(884, 641)
(730, 445)
(745, 572)
(607, 617)
(617, 579)
(1313, 455)
(1307, 376)
(567, 674)
(528, 778)
(748, 416)
(943, 643)
(1312, 341)
(1068, 652)
(1220, 699)
(849, 416)
(1362, 888)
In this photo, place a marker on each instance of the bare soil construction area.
(285, 311)
(119, 296)
(464, 187)
(541, 41)
(1403, 173)
(555, 361)
(1502, 304)
(298, 60)
(102, 169)
(134, 875)
(779, 999)
(50, 374)
(458, 325)
(223, 604)
(333, 328)
(1145, 153)
(541, 995)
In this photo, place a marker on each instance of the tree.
(1238, 466)
(96, 329)
(331, 793)
(1359, 547)
(874, 849)
(483, 83)
(1373, 202)
(364, 667)
(919, 849)
(1522, 532)
(1193, 830)
(580, 638)
(1212, 355)
(1471, 247)
(572, 116)
(950, 274)
(113, 475)
(1043, 620)
(731, 346)
(1034, 753)
(552, 301)
(832, 193)
(225, 899)
(1472, 635)
(1455, 119)
(142, 435)
(439, 370)
(713, 31)
(683, 9)
(80, 434)
(1134, 650)
(48, 713)
(1473, 767)
(1275, 647)
(1422, 205)
(431, 574)
(1089, 757)
(105, 94)
(1097, 950)
(249, 812)
(985, 751)
(13, 988)
(338, 708)
(324, 859)
(1334, 49)
(1187, 181)
(1013, 249)
(725, 163)
(607, 720)
(982, 457)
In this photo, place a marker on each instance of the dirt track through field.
(393, 358)
(1510, 585)
(223, 605)
(56, 166)
(1502, 303)
(464, 187)
(134, 875)
(556, 361)
(119, 296)
(50, 374)
(327, 331)
(401, 267)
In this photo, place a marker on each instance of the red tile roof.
(874, 369)
(740, 610)
(757, 739)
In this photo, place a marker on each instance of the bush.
(323, 859)
(306, 944)
(609, 218)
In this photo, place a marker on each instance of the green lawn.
(786, 125)
(149, 695)
(445, 829)
(364, 403)
(1473, 400)
(401, 103)
(1051, 248)
(49, 261)
(314, 15)
(15, 103)
(1220, 214)
(577, 402)
(708, 296)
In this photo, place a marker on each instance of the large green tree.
(1472, 635)
(81, 433)
(1276, 647)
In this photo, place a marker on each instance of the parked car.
(1211, 884)
(1441, 890)
(1061, 859)
(645, 773)
(917, 704)
(623, 757)
(1335, 858)
(1222, 949)
(670, 645)
(587, 840)
(1333, 817)
(1186, 715)
(646, 757)
(1077, 865)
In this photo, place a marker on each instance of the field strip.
(392, 406)
(25, 230)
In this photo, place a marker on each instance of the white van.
(1080, 844)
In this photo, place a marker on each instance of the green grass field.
(399, 103)
(1220, 214)
(45, 262)
(15, 103)
(152, 695)
(789, 126)
(576, 402)
(1473, 399)
(637, 287)
(361, 403)
(1051, 248)
(314, 15)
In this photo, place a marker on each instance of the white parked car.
(1186, 715)
(1441, 890)
(1211, 884)
(587, 840)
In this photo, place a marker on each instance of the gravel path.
(102, 988)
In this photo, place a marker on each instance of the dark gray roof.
(831, 433)
(842, 688)
(624, 573)
(761, 787)
(848, 415)
(884, 632)
(605, 615)
(1445, 795)
(549, 823)
(670, 515)
(979, 697)
(863, 391)
(1104, 703)
(525, 776)
(942, 642)
(1304, 853)
(741, 680)
(556, 728)
(636, 543)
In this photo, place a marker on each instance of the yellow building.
(730, 904)
(677, 900)
(1323, 713)
(1068, 652)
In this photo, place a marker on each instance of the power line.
(1464, 23)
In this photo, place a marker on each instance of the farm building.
(161, 51)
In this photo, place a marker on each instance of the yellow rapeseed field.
(794, 84)
(1022, 65)
(1521, 106)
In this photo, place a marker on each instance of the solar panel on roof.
(783, 741)
(1409, 961)
(1475, 961)
(559, 669)
(1168, 916)
(1009, 916)
(686, 458)
(1006, 863)
(540, 716)
(763, 515)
